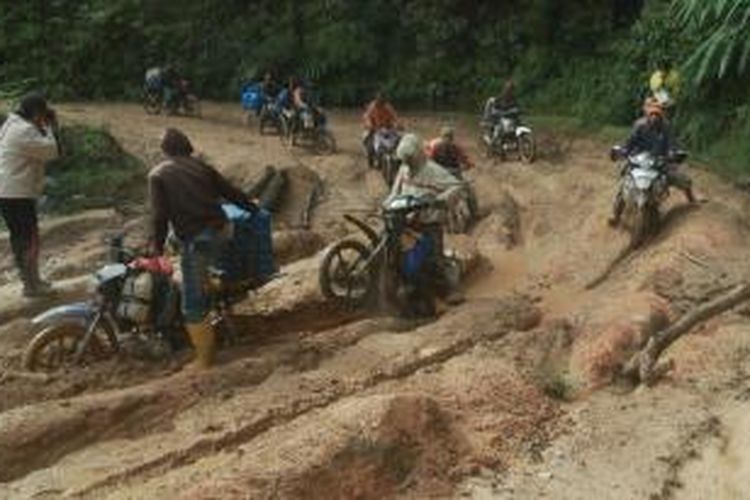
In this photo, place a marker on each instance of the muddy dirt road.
(509, 395)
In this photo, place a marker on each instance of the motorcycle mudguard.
(369, 232)
(79, 313)
(522, 130)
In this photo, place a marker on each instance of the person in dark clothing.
(187, 193)
(651, 133)
(27, 143)
(269, 87)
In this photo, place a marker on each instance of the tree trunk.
(641, 366)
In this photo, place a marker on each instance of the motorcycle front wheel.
(343, 277)
(151, 103)
(193, 106)
(527, 148)
(54, 347)
(389, 170)
(645, 225)
(326, 143)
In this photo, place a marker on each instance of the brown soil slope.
(509, 395)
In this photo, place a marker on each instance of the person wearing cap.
(447, 153)
(186, 193)
(652, 133)
(27, 143)
(419, 176)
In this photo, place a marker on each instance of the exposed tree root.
(642, 366)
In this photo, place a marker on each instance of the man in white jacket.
(27, 143)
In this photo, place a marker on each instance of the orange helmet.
(653, 107)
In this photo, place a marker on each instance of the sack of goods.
(137, 298)
(248, 256)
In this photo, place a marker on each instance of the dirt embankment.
(512, 394)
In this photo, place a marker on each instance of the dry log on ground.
(641, 366)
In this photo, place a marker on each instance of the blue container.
(248, 256)
(416, 258)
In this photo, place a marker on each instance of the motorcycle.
(395, 269)
(506, 134)
(270, 116)
(644, 188)
(135, 301)
(154, 101)
(308, 129)
(384, 144)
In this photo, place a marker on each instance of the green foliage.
(724, 30)
(586, 58)
(93, 171)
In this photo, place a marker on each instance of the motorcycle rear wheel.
(342, 278)
(326, 143)
(527, 148)
(192, 106)
(54, 347)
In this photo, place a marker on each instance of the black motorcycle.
(183, 101)
(395, 269)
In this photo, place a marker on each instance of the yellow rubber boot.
(203, 338)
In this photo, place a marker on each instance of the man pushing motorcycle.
(186, 193)
(652, 134)
(421, 177)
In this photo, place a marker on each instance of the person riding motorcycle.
(504, 105)
(379, 114)
(303, 104)
(447, 153)
(154, 80)
(422, 177)
(172, 88)
(651, 133)
(186, 193)
(268, 86)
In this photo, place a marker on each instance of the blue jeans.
(198, 255)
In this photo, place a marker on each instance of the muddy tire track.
(430, 348)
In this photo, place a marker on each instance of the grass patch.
(555, 384)
(93, 172)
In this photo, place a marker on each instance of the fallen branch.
(641, 366)
(9, 375)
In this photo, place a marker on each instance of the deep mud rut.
(509, 395)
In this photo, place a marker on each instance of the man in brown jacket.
(187, 193)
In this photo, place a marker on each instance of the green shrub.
(94, 171)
